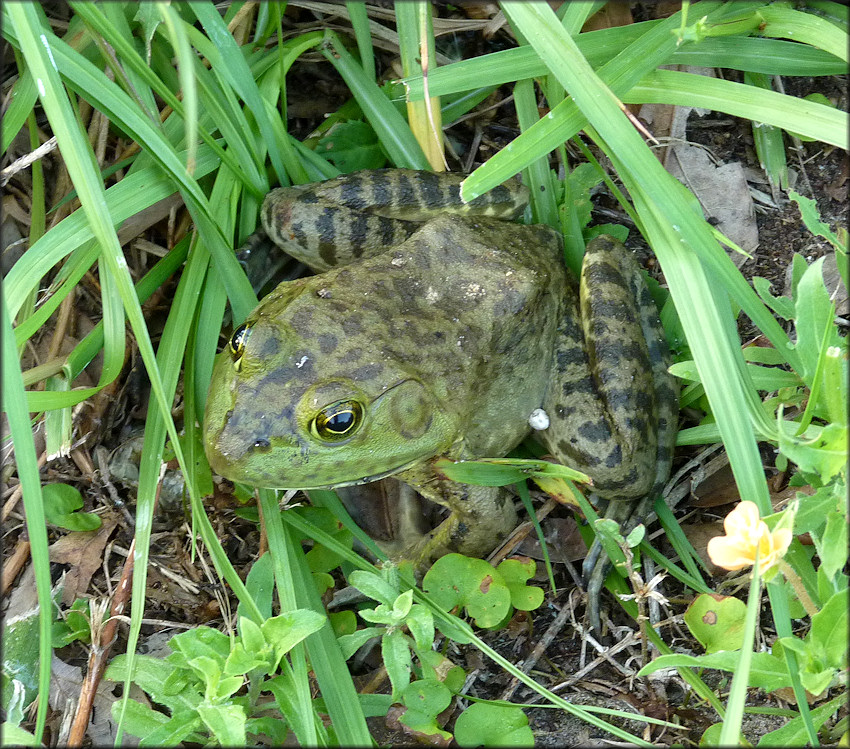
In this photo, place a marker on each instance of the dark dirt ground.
(180, 592)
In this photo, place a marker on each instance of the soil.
(183, 593)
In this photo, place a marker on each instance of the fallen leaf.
(83, 550)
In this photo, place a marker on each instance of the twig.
(553, 631)
(102, 638)
(26, 160)
(16, 495)
(12, 566)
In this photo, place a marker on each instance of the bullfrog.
(437, 328)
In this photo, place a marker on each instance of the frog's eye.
(338, 421)
(237, 342)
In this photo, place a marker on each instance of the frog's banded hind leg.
(613, 406)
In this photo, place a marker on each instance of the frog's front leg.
(612, 403)
(480, 517)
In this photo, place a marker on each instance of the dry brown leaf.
(83, 550)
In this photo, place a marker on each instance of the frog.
(438, 328)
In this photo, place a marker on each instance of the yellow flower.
(746, 532)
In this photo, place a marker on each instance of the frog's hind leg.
(613, 405)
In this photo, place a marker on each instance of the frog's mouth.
(370, 479)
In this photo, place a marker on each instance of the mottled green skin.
(448, 340)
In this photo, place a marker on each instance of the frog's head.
(296, 402)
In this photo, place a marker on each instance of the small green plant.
(61, 507)
(212, 685)
(489, 595)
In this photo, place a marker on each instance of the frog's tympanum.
(435, 328)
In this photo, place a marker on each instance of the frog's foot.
(480, 519)
(597, 564)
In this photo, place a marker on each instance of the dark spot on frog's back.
(301, 319)
(352, 325)
(367, 372)
(570, 357)
(327, 342)
(431, 193)
(269, 347)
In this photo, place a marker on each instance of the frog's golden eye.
(338, 421)
(237, 342)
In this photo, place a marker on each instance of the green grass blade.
(173, 25)
(362, 33)
(239, 74)
(14, 400)
(391, 127)
(136, 192)
(770, 147)
(804, 27)
(815, 120)
(21, 103)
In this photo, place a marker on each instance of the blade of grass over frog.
(90, 83)
(809, 118)
(502, 471)
(331, 501)
(538, 175)
(804, 27)
(170, 354)
(297, 590)
(28, 475)
(173, 25)
(360, 24)
(669, 226)
(234, 68)
(95, 18)
(390, 126)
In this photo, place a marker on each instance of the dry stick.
(102, 639)
(554, 629)
(12, 566)
(104, 636)
(16, 494)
